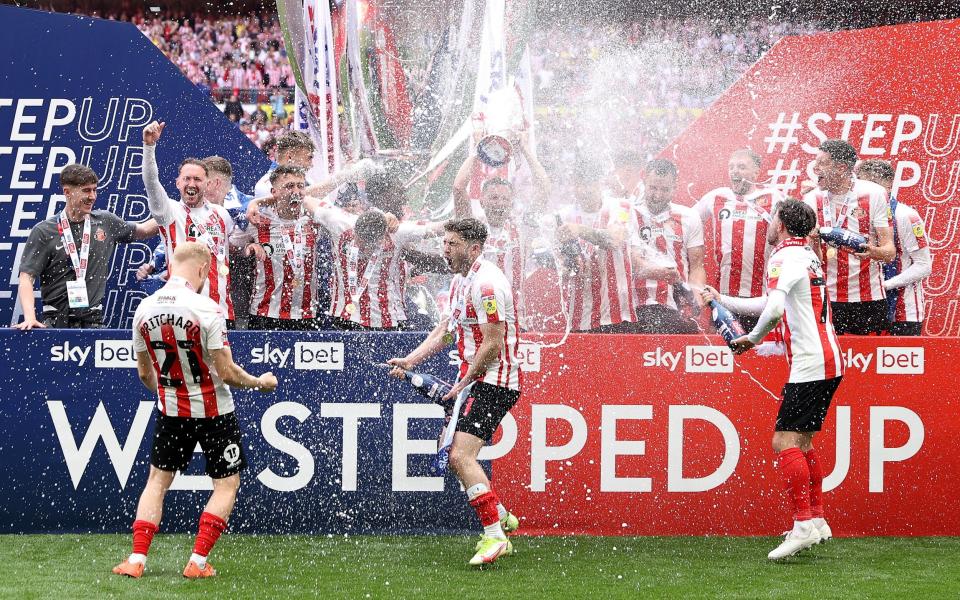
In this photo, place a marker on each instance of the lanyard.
(294, 245)
(462, 295)
(203, 235)
(79, 260)
(834, 220)
(353, 261)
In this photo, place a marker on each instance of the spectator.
(233, 109)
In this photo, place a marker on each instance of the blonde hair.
(191, 252)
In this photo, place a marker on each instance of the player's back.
(178, 328)
(812, 345)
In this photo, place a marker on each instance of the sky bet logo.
(68, 353)
(270, 355)
(307, 356)
(108, 354)
(697, 359)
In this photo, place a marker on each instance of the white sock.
(819, 522)
(200, 560)
(803, 527)
(475, 491)
(494, 531)
(137, 558)
(502, 511)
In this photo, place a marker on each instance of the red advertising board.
(672, 436)
(890, 91)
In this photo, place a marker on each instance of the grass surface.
(78, 566)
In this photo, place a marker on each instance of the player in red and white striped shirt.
(855, 281)
(284, 240)
(183, 356)
(797, 301)
(904, 277)
(368, 287)
(739, 215)
(595, 249)
(508, 239)
(484, 318)
(667, 246)
(192, 219)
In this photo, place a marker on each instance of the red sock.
(211, 526)
(142, 536)
(796, 474)
(816, 483)
(486, 507)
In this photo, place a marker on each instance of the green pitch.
(287, 567)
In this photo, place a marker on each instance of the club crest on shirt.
(101, 235)
(918, 230)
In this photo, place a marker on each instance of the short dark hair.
(77, 174)
(470, 229)
(282, 170)
(492, 181)
(840, 150)
(371, 225)
(879, 168)
(294, 140)
(218, 165)
(749, 153)
(797, 217)
(662, 166)
(194, 161)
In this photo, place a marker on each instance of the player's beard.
(192, 195)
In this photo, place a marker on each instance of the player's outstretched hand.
(399, 366)
(741, 344)
(268, 382)
(152, 132)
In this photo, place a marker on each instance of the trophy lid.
(494, 150)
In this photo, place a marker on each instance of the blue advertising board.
(339, 448)
(81, 89)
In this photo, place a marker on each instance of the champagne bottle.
(838, 237)
(725, 323)
(428, 386)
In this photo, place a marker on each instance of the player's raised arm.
(157, 198)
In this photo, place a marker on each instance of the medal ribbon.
(79, 260)
(353, 261)
(461, 299)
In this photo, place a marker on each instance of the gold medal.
(831, 252)
(448, 338)
(223, 269)
(351, 308)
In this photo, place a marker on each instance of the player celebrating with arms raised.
(484, 318)
(184, 357)
(797, 295)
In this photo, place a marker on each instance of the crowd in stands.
(649, 79)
